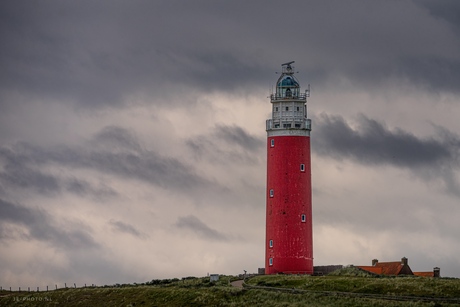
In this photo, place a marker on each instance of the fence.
(47, 288)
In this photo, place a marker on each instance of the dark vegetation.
(346, 287)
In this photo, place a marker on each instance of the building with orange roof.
(395, 268)
(435, 273)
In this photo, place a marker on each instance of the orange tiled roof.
(387, 268)
(424, 274)
(372, 269)
(390, 268)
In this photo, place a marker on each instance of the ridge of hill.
(344, 288)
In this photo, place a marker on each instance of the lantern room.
(287, 85)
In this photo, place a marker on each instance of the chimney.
(404, 261)
(436, 272)
(374, 262)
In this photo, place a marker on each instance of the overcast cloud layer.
(132, 134)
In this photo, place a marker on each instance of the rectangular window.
(272, 193)
(270, 261)
(276, 109)
(272, 143)
(298, 109)
(304, 218)
(287, 108)
(302, 167)
(271, 243)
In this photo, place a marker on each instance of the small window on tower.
(270, 261)
(298, 109)
(302, 167)
(276, 109)
(272, 193)
(304, 218)
(272, 143)
(271, 243)
(287, 108)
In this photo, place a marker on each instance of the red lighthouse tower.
(289, 240)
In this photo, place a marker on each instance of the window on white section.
(272, 143)
(272, 193)
(287, 108)
(304, 218)
(302, 167)
(271, 243)
(276, 109)
(270, 261)
(298, 109)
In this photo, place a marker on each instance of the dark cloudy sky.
(132, 134)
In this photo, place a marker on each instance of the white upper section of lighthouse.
(289, 106)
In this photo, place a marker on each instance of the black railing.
(288, 124)
(301, 96)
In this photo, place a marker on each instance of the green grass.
(293, 291)
(367, 284)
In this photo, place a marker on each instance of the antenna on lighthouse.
(288, 63)
(287, 69)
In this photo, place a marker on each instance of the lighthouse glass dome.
(287, 87)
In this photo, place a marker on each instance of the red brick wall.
(292, 250)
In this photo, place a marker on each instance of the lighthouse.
(289, 239)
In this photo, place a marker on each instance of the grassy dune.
(276, 290)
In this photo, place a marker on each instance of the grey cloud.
(238, 136)
(80, 60)
(194, 224)
(126, 228)
(69, 52)
(436, 73)
(135, 163)
(372, 143)
(447, 10)
(433, 73)
(227, 144)
(17, 175)
(116, 138)
(20, 171)
(41, 226)
(223, 72)
(83, 188)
